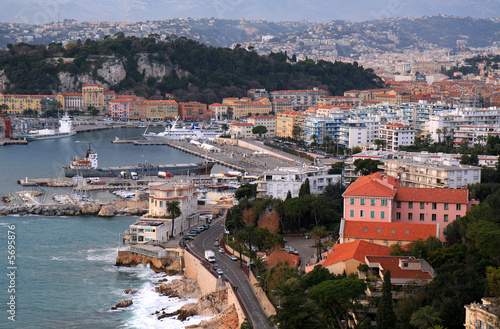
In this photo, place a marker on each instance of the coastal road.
(205, 241)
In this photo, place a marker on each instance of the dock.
(12, 142)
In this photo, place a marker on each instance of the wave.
(107, 255)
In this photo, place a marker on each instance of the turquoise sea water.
(65, 275)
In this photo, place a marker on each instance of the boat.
(195, 132)
(65, 130)
(88, 167)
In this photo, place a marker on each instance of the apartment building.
(244, 107)
(16, 104)
(268, 121)
(241, 130)
(218, 111)
(93, 96)
(483, 315)
(192, 110)
(73, 101)
(395, 135)
(301, 99)
(286, 121)
(119, 109)
(257, 94)
(157, 110)
(276, 183)
(281, 105)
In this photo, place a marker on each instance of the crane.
(7, 125)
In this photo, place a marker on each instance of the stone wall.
(232, 299)
(237, 254)
(194, 269)
(262, 297)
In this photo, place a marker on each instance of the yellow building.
(93, 95)
(285, 121)
(18, 103)
(483, 315)
(245, 107)
(161, 109)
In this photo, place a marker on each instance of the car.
(215, 268)
(307, 236)
(216, 243)
(193, 232)
(221, 250)
(219, 271)
(191, 235)
(206, 226)
(188, 237)
(233, 257)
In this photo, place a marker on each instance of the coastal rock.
(130, 291)
(184, 287)
(227, 319)
(168, 265)
(107, 210)
(90, 209)
(123, 304)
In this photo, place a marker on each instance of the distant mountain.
(185, 68)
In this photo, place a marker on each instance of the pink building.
(119, 108)
(379, 198)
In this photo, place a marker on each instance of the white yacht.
(195, 132)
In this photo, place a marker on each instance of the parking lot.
(306, 249)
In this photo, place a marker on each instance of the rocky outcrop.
(151, 68)
(130, 291)
(42, 210)
(227, 319)
(184, 287)
(91, 208)
(107, 210)
(4, 81)
(70, 83)
(112, 71)
(168, 265)
(122, 304)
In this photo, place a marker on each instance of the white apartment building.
(396, 135)
(276, 183)
(268, 121)
(426, 172)
(241, 130)
(474, 134)
(300, 98)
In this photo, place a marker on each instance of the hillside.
(180, 66)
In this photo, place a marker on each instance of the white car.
(221, 250)
(233, 257)
(219, 271)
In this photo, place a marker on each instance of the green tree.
(239, 238)
(305, 189)
(380, 143)
(174, 209)
(493, 278)
(367, 166)
(425, 318)
(297, 132)
(318, 232)
(259, 130)
(93, 111)
(288, 195)
(386, 318)
(246, 190)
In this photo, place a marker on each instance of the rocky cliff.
(167, 265)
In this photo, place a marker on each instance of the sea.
(63, 275)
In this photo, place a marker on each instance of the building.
(241, 130)
(257, 94)
(281, 105)
(380, 198)
(386, 233)
(119, 109)
(404, 269)
(276, 183)
(286, 123)
(159, 110)
(193, 111)
(73, 101)
(93, 96)
(395, 135)
(143, 231)
(346, 257)
(268, 121)
(244, 107)
(17, 104)
(484, 315)
(301, 99)
(218, 111)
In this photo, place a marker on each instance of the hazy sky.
(45, 11)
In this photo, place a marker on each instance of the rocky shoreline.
(170, 266)
(103, 210)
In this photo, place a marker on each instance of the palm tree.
(327, 140)
(318, 232)
(438, 132)
(426, 317)
(239, 238)
(250, 231)
(174, 210)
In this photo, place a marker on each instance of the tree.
(239, 238)
(493, 278)
(93, 111)
(318, 232)
(297, 132)
(246, 190)
(305, 189)
(174, 209)
(356, 149)
(288, 195)
(380, 143)
(386, 318)
(367, 166)
(426, 317)
(259, 130)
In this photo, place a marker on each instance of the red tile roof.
(421, 194)
(388, 230)
(392, 263)
(283, 257)
(354, 250)
(371, 186)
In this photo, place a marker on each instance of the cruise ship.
(88, 167)
(182, 134)
(65, 130)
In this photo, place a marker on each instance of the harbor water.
(64, 267)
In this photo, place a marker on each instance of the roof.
(373, 185)
(421, 194)
(283, 257)
(392, 263)
(354, 250)
(241, 124)
(388, 230)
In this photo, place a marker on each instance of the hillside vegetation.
(180, 66)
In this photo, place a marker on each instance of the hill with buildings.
(179, 66)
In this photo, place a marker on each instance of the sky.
(46, 11)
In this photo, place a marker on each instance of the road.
(205, 241)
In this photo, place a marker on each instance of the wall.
(232, 299)
(262, 297)
(237, 254)
(260, 149)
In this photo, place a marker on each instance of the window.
(351, 213)
(422, 217)
(398, 204)
(422, 205)
(446, 205)
(362, 202)
(372, 202)
(398, 215)
(152, 201)
(410, 205)
(446, 218)
(362, 213)
(459, 206)
(379, 230)
(352, 201)
(410, 216)
(382, 215)
(383, 202)
(434, 205)
(433, 217)
(372, 214)
(161, 204)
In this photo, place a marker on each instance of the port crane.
(7, 125)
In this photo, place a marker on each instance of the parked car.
(233, 257)
(191, 234)
(219, 271)
(188, 237)
(221, 250)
